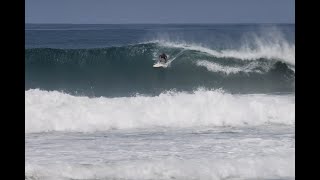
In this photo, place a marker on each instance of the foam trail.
(56, 111)
(175, 57)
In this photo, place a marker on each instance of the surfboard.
(160, 65)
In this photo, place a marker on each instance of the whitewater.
(55, 111)
(207, 134)
(224, 109)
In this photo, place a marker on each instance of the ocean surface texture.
(224, 108)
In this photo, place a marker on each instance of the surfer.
(163, 57)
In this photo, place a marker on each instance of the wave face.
(116, 60)
(56, 111)
(127, 70)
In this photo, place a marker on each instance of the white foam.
(214, 67)
(275, 167)
(56, 111)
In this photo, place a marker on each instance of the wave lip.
(56, 111)
(272, 47)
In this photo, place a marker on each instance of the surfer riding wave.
(163, 58)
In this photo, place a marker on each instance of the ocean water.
(224, 108)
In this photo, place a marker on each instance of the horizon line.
(146, 23)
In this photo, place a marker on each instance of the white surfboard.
(160, 65)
